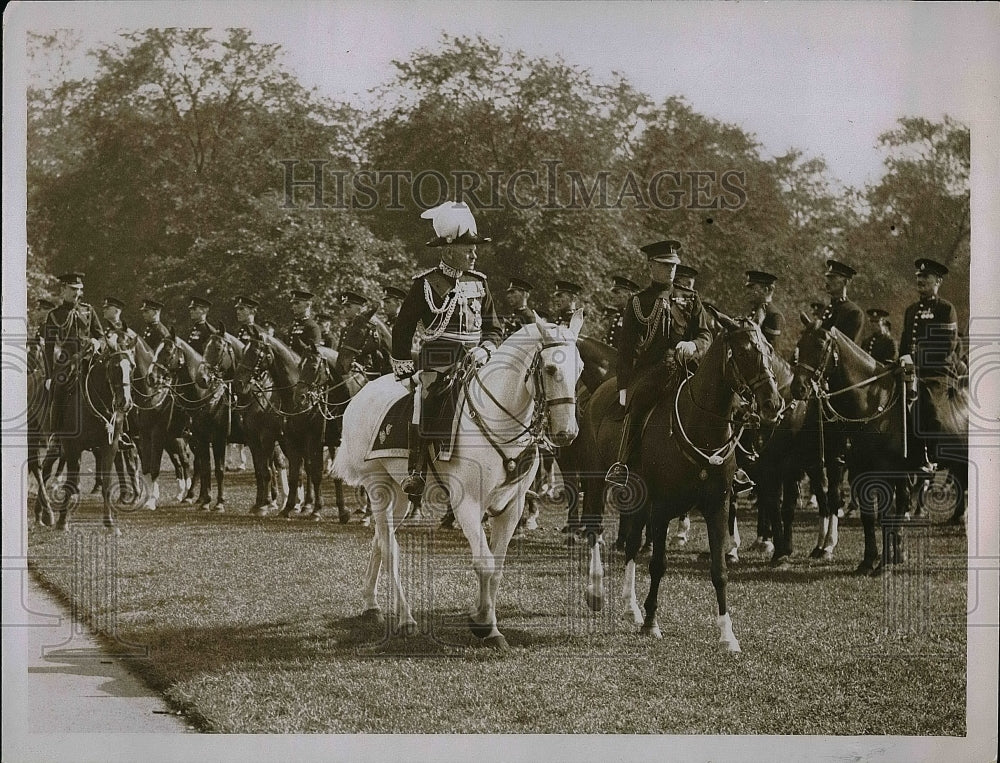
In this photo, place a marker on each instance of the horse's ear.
(576, 322)
(222, 329)
(173, 334)
(806, 320)
(543, 326)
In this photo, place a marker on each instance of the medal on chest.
(469, 295)
(926, 314)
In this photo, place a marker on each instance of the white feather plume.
(451, 220)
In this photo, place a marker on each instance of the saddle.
(438, 426)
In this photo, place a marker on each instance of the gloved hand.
(408, 382)
(96, 344)
(621, 398)
(905, 360)
(479, 355)
(48, 385)
(685, 351)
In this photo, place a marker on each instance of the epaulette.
(476, 273)
(425, 273)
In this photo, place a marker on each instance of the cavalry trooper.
(622, 289)
(816, 310)
(325, 321)
(201, 329)
(115, 329)
(360, 328)
(521, 314)
(564, 302)
(70, 328)
(880, 345)
(35, 340)
(383, 320)
(454, 303)
(154, 332)
(304, 335)
(659, 334)
(930, 348)
(392, 299)
(246, 314)
(841, 313)
(759, 289)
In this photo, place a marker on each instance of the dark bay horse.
(260, 416)
(97, 398)
(206, 399)
(869, 399)
(687, 460)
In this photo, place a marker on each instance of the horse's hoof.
(114, 531)
(826, 555)
(285, 513)
(406, 629)
(594, 601)
(867, 567)
(220, 508)
(497, 642)
(150, 505)
(781, 563)
(47, 518)
(373, 615)
(732, 558)
(480, 630)
(733, 647)
(205, 507)
(314, 516)
(816, 553)
(344, 517)
(651, 630)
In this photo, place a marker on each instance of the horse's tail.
(361, 418)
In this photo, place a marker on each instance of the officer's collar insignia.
(449, 271)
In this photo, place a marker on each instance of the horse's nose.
(563, 437)
(771, 410)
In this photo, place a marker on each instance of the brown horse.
(687, 460)
(869, 399)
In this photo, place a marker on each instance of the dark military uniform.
(845, 316)
(930, 337)
(456, 311)
(249, 332)
(881, 346)
(328, 339)
(563, 318)
(369, 355)
(514, 321)
(613, 336)
(155, 334)
(65, 332)
(654, 322)
(770, 320)
(198, 336)
(304, 335)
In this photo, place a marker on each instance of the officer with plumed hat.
(841, 313)
(304, 335)
(201, 329)
(880, 344)
(70, 328)
(455, 306)
(153, 332)
(659, 334)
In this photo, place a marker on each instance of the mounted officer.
(325, 321)
(115, 329)
(360, 330)
(660, 333)
(454, 304)
(759, 288)
(304, 335)
(71, 331)
(880, 345)
(841, 313)
(383, 320)
(564, 298)
(35, 340)
(154, 332)
(201, 329)
(246, 315)
(929, 348)
(517, 299)
(622, 290)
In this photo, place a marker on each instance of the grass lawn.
(252, 626)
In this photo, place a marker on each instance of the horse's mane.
(235, 341)
(283, 349)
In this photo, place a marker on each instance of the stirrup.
(742, 484)
(413, 484)
(617, 475)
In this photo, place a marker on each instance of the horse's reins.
(109, 423)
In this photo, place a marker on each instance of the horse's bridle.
(114, 409)
(741, 385)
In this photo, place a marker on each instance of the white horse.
(525, 391)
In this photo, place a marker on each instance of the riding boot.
(618, 474)
(413, 485)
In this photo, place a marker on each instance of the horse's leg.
(502, 530)
(294, 454)
(314, 472)
(637, 522)
(819, 480)
(733, 554)
(108, 458)
(203, 466)
(789, 502)
(869, 509)
(70, 489)
(468, 513)
(656, 528)
(768, 500)
(680, 536)
(715, 519)
(219, 446)
(392, 515)
(342, 512)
